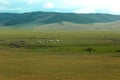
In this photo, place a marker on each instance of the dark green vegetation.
(13, 19)
(81, 55)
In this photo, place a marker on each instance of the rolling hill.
(40, 18)
(59, 21)
(68, 26)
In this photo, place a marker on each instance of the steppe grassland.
(67, 60)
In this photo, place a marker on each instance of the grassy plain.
(66, 60)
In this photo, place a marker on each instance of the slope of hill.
(13, 19)
(73, 26)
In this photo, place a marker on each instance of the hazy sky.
(76, 6)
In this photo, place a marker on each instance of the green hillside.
(13, 19)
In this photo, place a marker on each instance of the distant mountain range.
(41, 18)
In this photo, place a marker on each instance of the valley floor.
(40, 55)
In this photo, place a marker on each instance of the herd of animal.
(35, 43)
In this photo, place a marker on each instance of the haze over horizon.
(69, 6)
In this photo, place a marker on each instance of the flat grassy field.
(59, 55)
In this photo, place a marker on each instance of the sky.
(74, 6)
